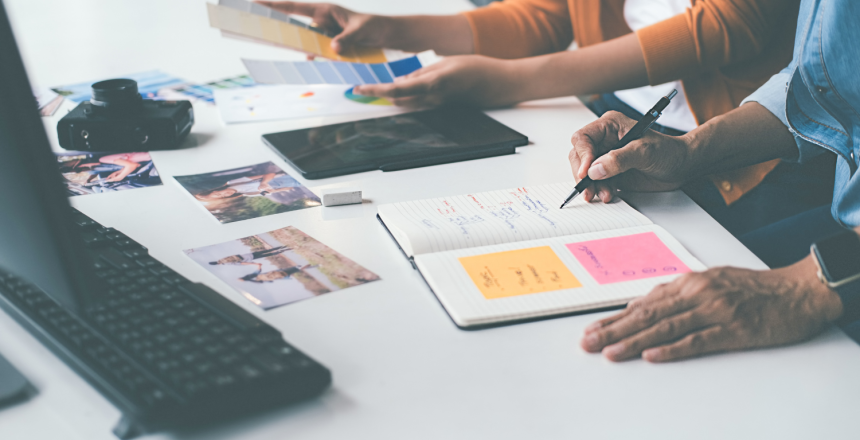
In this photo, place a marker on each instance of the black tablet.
(392, 143)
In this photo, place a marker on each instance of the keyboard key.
(195, 387)
(114, 235)
(175, 279)
(161, 271)
(148, 263)
(134, 254)
(85, 223)
(93, 241)
(281, 351)
(192, 357)
(229, 358)
(125, 243)
(271, 363)
(222, 380)
(205, 368)
(153, 396)
(248, 372)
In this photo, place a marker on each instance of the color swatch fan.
(251, 20)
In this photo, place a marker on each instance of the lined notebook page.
(468, 306)
(494, 217)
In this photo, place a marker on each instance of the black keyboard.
(166, 351)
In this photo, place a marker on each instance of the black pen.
(635, 133)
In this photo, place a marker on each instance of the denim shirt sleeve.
(772, 96)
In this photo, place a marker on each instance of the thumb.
(618, 161)
(345, 39)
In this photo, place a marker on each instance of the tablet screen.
(370, 143)
(374, 139)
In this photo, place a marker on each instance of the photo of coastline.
(248, 192)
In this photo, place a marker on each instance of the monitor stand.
(13, 385)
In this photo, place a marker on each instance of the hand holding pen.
(641, 160)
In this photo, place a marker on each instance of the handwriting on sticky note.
(519, 272)
(632, 257)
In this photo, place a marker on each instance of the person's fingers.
(666, 330)
(582, 154)
(658, 293)
(399, 89)
(604, 191)
(636, 155)
(422, 71)
(709, 340)
(661, 292)
(588, 194)
(420, 101)
(596, 138)
(347, 38)
(596, 325)
(638, 319)
(298, 8)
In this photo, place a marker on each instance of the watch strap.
(847, 287)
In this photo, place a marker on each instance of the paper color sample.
(258, 22)
(265, 103)
(626, 258)
(332, 72)
(519, 272)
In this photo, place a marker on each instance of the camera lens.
(116, 94)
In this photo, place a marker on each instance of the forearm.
(444, 34)
(747, 135)
(613, 65)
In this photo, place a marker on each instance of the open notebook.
(501, 256)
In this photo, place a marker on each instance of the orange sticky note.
(519, 272)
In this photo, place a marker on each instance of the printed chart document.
(511, 255)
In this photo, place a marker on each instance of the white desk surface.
(401, 369)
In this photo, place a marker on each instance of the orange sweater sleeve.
(521, 28)
(709, 35)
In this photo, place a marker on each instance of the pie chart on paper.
(372, 100)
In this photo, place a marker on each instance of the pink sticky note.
(632, 257)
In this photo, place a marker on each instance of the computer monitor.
(37, 240)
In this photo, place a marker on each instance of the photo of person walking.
(280, 267)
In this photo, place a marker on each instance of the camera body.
(118, 119)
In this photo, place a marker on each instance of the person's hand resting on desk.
(720, 309)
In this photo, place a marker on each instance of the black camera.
(117, 118)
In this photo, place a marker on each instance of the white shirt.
(639, 14)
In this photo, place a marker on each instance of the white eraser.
(340, 196)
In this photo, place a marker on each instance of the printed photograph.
(280, 267)
(248, 192)
(94, 173)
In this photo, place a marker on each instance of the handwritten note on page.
(458, 277)
(505, 216)
(627, 258)
(519, 272)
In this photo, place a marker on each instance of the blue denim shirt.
(818, 95)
